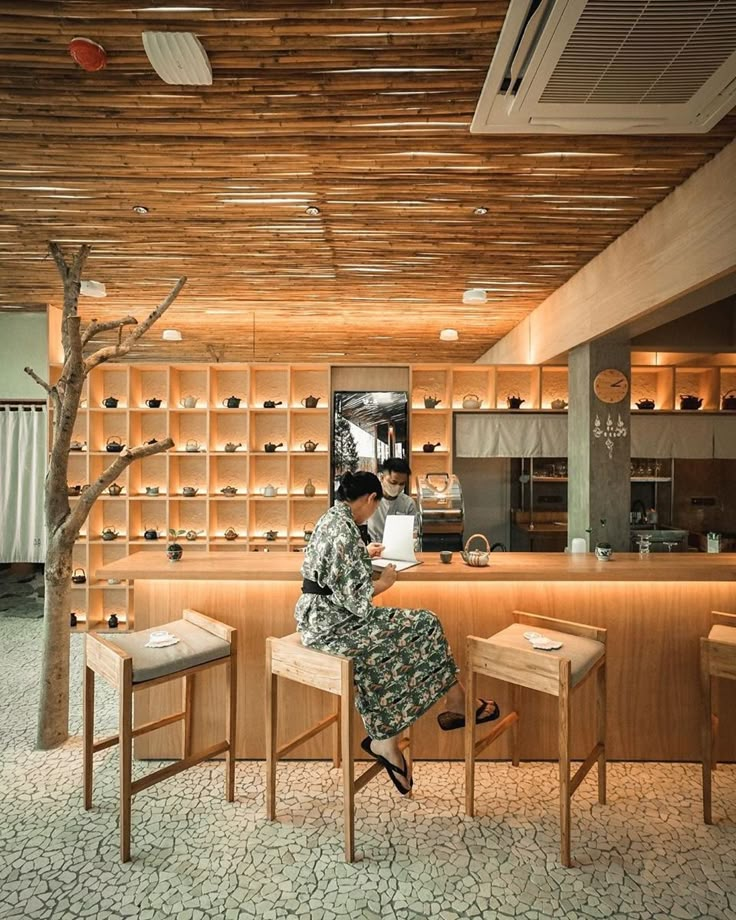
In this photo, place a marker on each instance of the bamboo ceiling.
(359, 109)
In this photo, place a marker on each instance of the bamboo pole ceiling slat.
(358, 108)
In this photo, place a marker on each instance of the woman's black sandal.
(392, 770)
(449, 721)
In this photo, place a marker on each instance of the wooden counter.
(655, 609)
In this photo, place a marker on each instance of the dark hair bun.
(355, 485)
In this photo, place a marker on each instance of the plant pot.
(174, 551)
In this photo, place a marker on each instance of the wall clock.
(610, 385)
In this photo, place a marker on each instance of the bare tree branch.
(96, 328)
(78, 516)
(39, 380)
(79, 259)
(124, 346)
(58, 256)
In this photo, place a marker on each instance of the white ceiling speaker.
(178, 58)
(92, 289)
(171, 335)
(474, 296)
(449, 335)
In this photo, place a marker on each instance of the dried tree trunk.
(62, 523)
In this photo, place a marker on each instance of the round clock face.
(611, 386)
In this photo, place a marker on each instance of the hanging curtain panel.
(22, 472)
(506, 435)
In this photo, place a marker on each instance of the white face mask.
(390, 490)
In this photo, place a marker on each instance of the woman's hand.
(375, 549)
(387, 578)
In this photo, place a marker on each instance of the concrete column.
(599, 447)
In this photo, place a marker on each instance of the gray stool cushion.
(195, 646)
(720, 633)
(583, 653)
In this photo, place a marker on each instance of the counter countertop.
(511, 567)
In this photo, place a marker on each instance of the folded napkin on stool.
(543, 643)
(160, 639)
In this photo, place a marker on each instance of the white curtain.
(506, 435)
(22, 472)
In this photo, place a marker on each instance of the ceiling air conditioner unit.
(610, 67)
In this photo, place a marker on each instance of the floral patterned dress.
(401, 661)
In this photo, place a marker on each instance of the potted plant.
(175, 550)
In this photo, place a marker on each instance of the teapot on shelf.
(269, 491)
(231, 446)
(110, 402)
(114, 445)
(114, 488)
(189, 491)
(229, 491)
(310, 402)
(77, 445)
(431, 402)
(151, 490)
(645, 404)
(232, 402)
(688, 401)
(271, 535)
(192, 535)
(79, 576)
(109, 533)
(192, 446)
(514, 401)
(429, 447)
(271, 404)
(153, 403)
(308, 530)
(150, 533)
(270, 447)
(310, 446)
(188, 402)
(471, 401)
(231, 534)
(728, 401)
(558, 404)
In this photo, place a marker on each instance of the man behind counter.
(394, 475)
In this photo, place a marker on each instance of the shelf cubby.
(473, 381)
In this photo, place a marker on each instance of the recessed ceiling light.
(475, 295)
(312, 211)
(449, 335)
(140, 209)
(171, 335)
(480, 211)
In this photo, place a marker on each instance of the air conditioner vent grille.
(642, 52)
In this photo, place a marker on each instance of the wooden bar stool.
(125, 663)
(717, 659)
(289, 659)
(508, 656)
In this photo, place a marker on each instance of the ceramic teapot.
(114, 445)
(310, 446)
(476, 557)
(231, 446)
(150, 533)
(430, 402)
(558, 404)
(471, 401)
(689, 401)
(192, 535)
(271, 535)
(232, 402)
(188, 402)
(151, 490)
(189, 491)
(645, 404)
(229, 491)
(429, 447)
(308, 530)
(109, 533)
(271, 404)
(73, 490)
(192, 446)
(270, 447)
(76, 445)
(110, 402)
(231, 534)
(114, 488)
(310, 402)
(728, 401)
(269, 490)
(112, 621)
(514, 401)
(153, 403)
(79, 576)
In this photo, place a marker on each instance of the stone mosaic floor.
(646, 854)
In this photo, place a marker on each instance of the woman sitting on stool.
(401, 661)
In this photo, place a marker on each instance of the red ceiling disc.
(88, 54)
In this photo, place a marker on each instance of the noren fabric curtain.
(22, 473)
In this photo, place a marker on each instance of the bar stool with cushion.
(717, 659)
(127, 664)
(508, 656)
(289, 659)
